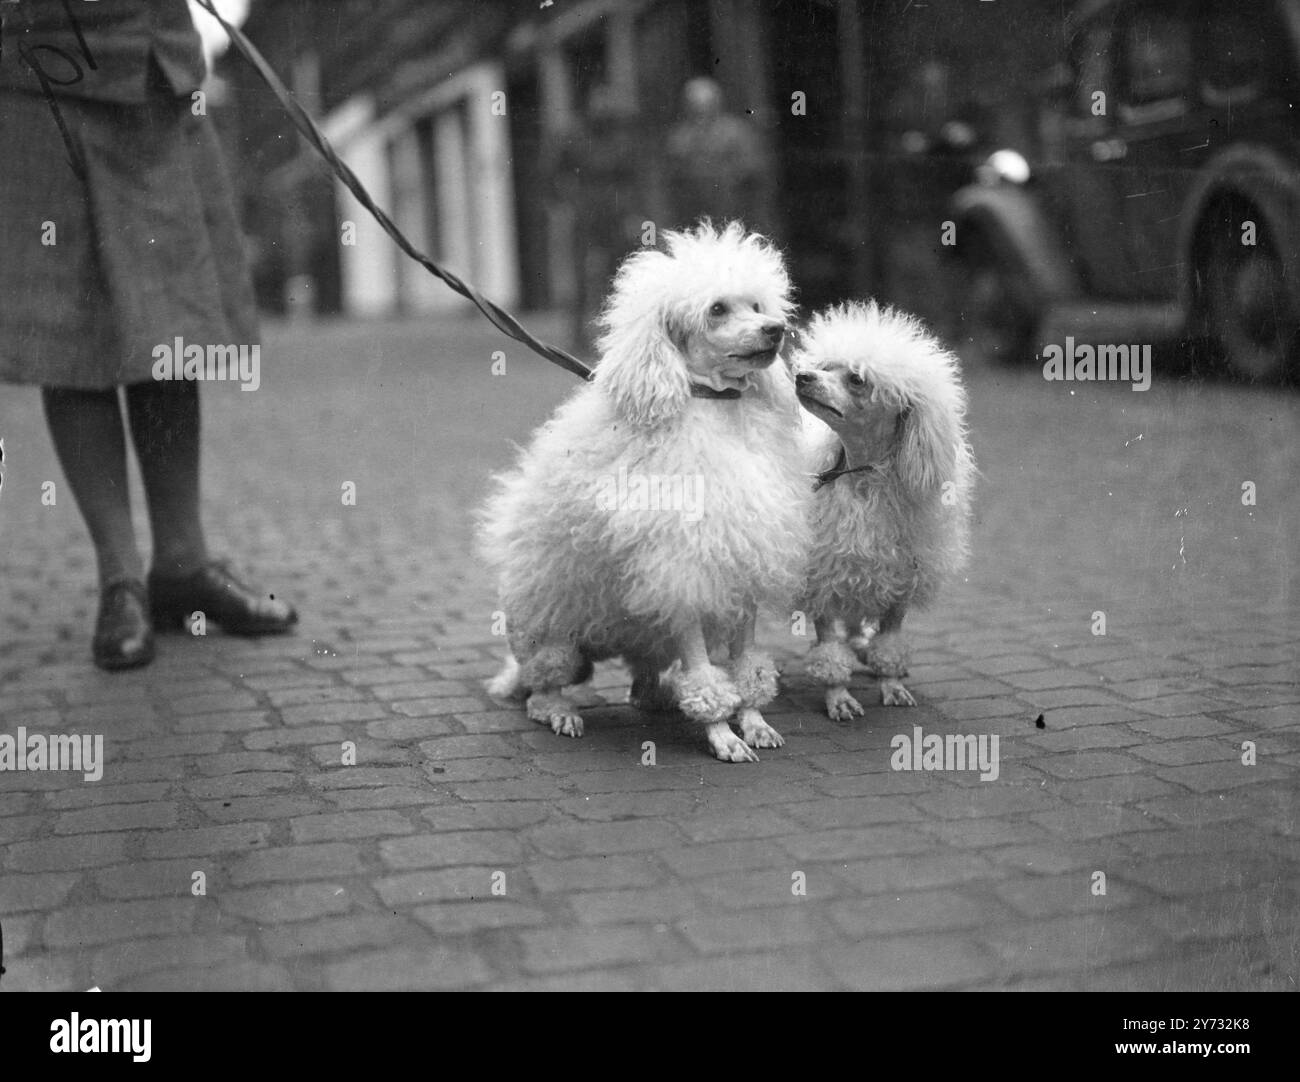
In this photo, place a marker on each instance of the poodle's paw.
(506, 684)
(892, 693)
(584, 695)
(557, 712)
(757, 732)
(755, 675)
(706, 695)
(888, 655)
(727, 746)
(841, 706)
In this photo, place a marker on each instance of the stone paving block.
(244, 976)
(326, 861)
(591, 873)
(919, 872)
(151, 816)
(242, 809)
(548, 950)
(445, 884)
(1075, 943)
(87, 925)
(273, 739)
(205, 841)
(236, 762)
(17, 827)
(1228, 773)
(461, 918)
(630, 805)
(404, 969)
(556, 840)
(1187, 752)
(505, 815)
(229, 786)
(343, 826)
(65, 854)
(41, 891)
(334, 935)
(110, 966)
(285, 902)
(158, 878)
(907, 963)
(332, 713)
(798, 970)
(495, 847)
(1087, 764)
(98, 793)
(917, 911)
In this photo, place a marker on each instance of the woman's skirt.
(97, 270)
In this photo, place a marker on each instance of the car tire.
(998, 319)
(1248, 312)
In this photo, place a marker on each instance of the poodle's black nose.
(774, 331)
(802, 379)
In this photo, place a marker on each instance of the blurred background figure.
(715, 162)
(595, 169)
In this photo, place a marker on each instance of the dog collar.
(700, 390)
(840, 468)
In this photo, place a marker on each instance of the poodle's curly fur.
(887, 537)
(581, 581)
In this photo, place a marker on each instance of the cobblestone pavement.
(224, 756)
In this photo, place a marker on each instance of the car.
(1163, 170)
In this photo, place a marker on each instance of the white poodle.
(890, 514)
(664, 502)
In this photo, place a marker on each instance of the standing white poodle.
(664, 502)
(890, 515)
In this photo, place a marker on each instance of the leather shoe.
(123, 637)
(222, 598)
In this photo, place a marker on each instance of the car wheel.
(997, 318)
(1250, 314)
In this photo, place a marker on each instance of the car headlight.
(1009, 166)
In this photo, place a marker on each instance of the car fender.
(1020, 233)
(1264, 177)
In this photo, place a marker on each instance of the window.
(1240, 61)
(1155, 63)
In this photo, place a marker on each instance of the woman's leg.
(86, 427)
(165, 429)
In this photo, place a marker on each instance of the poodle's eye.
(856, 381)
(757, 308)
(718, 309)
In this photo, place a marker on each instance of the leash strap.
(497, 316)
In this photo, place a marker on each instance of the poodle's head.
(886, 388)
(710, 309)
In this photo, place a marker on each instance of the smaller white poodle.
(890, 514)
(664, 502)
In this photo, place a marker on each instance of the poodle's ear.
(932, 433)
(641, 368)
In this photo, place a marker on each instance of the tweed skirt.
(98, 270)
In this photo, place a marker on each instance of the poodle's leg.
(756, 679)
(705, 694)
(547, 671)
(649, 691)
(888, 656)
(830, 663)
(860, 640)
(507, 684)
